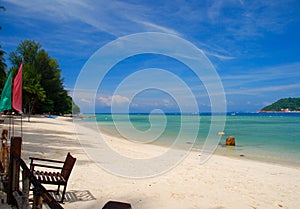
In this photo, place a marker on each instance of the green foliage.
(43, 89)
(293, 104)
(2, 68)
(27, 51)
(33, 92)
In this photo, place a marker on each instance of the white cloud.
(115, 99)
(219, 56)
(152, 26)
(118, 18)
(87, 101)
(271, 73)
(258, 90)
(113, 17)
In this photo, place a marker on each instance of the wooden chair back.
(68, 166)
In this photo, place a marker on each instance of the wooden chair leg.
(58, 187)
(63, 194)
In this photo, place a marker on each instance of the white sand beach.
(221, 182)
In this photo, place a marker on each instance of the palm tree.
(2, 68)
(32, 89)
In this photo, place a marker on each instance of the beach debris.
(230, 141)
(221, 133)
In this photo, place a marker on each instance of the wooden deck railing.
(21, 198)
(39, 190)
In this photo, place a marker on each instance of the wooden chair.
(48, 176)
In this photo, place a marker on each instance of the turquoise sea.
(268, 137)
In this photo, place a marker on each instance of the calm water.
(269, 137)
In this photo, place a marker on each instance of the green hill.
(287, 104)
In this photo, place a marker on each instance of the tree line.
(43, 90)
(292, 104)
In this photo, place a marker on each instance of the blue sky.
(253, 45)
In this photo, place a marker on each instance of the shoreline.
(221, 182)
(107, 132)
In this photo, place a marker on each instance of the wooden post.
(22, 198)
(4, 157)
(25, 190)
(37, 200)
(4, 146)
(14, 168)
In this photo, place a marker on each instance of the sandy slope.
(221, 182)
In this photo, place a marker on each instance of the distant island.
(283, 105)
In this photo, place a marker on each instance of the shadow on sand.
(75, 196)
